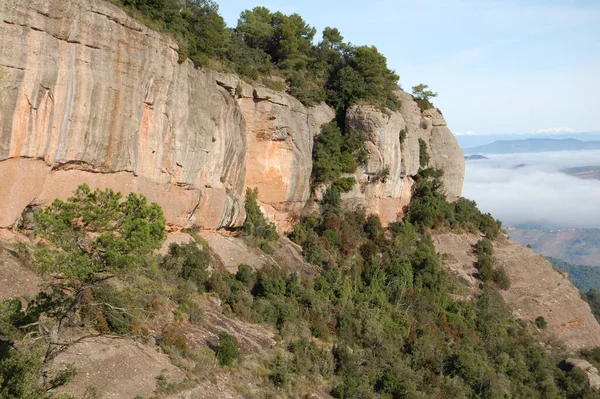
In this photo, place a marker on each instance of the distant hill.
(468, 141)
(533, 145)
(576, 246)
(582, 276)
(474, 157)
(583, 172)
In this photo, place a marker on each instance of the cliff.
(89, 95)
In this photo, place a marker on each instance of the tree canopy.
(98, 232)
(264, 42)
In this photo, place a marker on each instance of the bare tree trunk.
(52, 351)
(53, 338)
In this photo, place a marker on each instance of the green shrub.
(485, 259)
(261, 232)
(331, 156)
(423, 154)
(333, 238)
(501, 278)
(345, 184)
(188, 262)
(402, 136)
(484, 247)
(246, 275)
(310, 361)
(229, 349)
(540, 322)
(279, 374)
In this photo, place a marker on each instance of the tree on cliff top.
(422, 96)
(86, 240)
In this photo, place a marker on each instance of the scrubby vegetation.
(229, 349)
(381, 320)
(485, 265)
(429, 209)
(383, 305)
(256, 227)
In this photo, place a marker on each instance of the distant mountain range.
(468, 141)
(533, 145)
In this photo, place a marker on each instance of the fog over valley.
(532, 189)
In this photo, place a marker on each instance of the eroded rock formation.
(392, 141)
(88, 95)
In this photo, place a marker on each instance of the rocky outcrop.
(537, 288)
(587, 368)
(89, 95)
(392, 141)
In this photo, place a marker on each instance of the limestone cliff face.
(387, 196)
(88, 95)
(280, 133)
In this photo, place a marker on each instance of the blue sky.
(499, 66)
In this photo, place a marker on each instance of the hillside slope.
(537, 288)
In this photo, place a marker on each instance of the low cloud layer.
(529, 188)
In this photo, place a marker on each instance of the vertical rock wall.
(388, 195)
(88, 95)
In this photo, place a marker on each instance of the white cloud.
(469, 133)
(555, 130)
(523, 188)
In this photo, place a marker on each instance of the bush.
(188, 262)
(540, 322)
(484, 247)
(402, 136)
(423, 154)
(485, 259)
(345, 184)
(261, 232)
(501, 278)
(229, 349)
(332, 157)
(279, 374)
(173, 339)
(246, 275)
